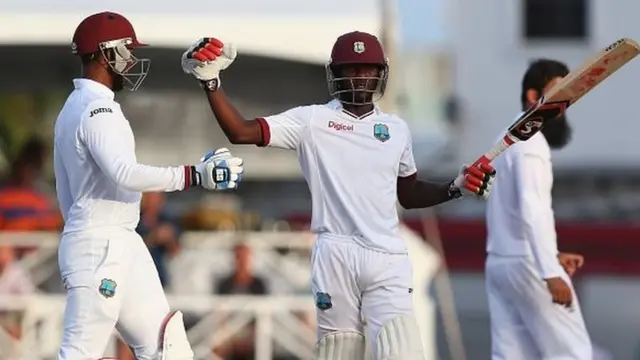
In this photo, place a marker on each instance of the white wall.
(491, 58)
(211, 7)
(295, 30)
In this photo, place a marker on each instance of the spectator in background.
(22, 206)
(241, 281)
(160, 232)
(14, 281)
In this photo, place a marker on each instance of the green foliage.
(23, 115)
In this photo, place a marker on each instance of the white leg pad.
(340, 345)
(174, 344)
(399, 339)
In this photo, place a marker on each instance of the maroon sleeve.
(266, 132)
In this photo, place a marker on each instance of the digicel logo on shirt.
(340, 127)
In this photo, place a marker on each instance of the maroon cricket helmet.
(113, 36)
(352, 49)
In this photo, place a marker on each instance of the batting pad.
(174, 343)
(340, 345)
(399, 339)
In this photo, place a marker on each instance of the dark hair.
(89, 58)
(539, 74)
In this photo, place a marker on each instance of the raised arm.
(235, 127)
(204, 60)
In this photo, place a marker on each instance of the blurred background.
(237, 264)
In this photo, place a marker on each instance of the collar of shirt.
(93, 86)
(337, 106)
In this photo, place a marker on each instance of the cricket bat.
(565, 93)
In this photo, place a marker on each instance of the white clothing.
(520, 220)
(522, 252)
(351, 166)
(98, 179)
(108, 273)
(525, 323)
(360, 263)
(89, 263)
(365, 286)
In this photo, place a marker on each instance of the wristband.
(454, 191)
(191, 177)
(211, 85)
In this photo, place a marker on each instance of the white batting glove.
(475, 181)
(219, 170)
(206, 58)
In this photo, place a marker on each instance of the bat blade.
(565, 93)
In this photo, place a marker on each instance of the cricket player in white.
(535, 313)
(357, 161)
(108, 273)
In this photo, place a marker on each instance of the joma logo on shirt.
(100, 111)
(340, 127)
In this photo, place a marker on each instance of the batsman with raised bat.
(358, 162)
(535, 313)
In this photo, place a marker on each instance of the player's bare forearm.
(418, 194)
(235, 127)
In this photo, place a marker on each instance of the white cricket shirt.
(520, 220)
(351, 166)
(98, 180)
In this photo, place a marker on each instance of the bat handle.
(497, 150)
(482, 160)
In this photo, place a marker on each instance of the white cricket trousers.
(111, 281)
(525, 323)
(354, 286)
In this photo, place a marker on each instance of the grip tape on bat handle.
(482, 160)
(493, 153)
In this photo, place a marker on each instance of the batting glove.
(206, 58)
(219, 170)
(475, 181)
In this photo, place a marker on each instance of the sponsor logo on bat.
(528, 128)
(533, 120)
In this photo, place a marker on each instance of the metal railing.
(283, 324)
(220, 318)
